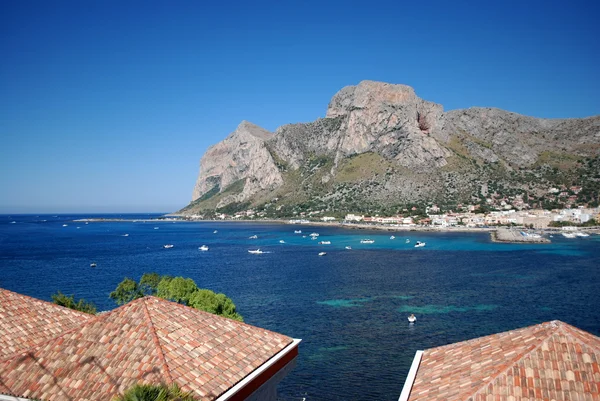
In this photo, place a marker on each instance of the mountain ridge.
(381, 145)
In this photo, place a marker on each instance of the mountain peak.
(254, 130)
(368, 94)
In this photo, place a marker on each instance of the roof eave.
(410, 379)
(263, 373)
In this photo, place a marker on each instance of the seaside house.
(548, 361)
(48, 352)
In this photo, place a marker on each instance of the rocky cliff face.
(380, 144)
(238, 167)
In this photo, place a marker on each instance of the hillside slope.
(381, 148)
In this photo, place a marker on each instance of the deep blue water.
(349, 307)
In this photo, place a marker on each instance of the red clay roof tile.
(548, 361)
(26, 321)
(148, 340)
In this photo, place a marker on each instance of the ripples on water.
(349, 307)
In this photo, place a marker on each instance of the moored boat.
(168, 246)
(324, 242)
(322, 253)
(392, 237)
(253, 236)
(419, 244)
(367, 241)
(412, 318)
(348, 247)
(203, 248)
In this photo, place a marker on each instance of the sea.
(349, 307)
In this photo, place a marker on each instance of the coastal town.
(435, 218)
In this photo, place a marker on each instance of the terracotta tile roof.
(548, 361)
(25, 321)
(148, 340)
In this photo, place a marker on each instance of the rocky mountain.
(382, 148)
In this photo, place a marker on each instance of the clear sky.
(109, 105)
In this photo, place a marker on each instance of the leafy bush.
(69, 302)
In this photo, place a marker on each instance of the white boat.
(281, 241)
(214, 232)
(367, 241)
(348, 247)
(407, 241)
(156, 228)
(13, 222)
(168, 246)
(203, 248)
(569, 235)
(322, 253)
(253, 236)
(124, 235)
(582, 234)
(92, 264)
(392, 237)
(324, 242)
(419, 244)
(314, 235)
(297, 231)
(304, 236)
(255, 251)
(412, 319)
(64, 225)
(313, 238)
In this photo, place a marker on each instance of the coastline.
(497, 234)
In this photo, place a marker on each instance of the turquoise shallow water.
(349, 307)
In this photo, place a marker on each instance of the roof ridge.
(156, 342)
(567, 328)
(91, 320)
(73, 311)
(552, 325)
(213, 315)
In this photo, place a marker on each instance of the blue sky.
(109, 105)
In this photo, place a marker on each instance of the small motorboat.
(392, 237)
(367, 241)
(124, 235)
(93, 264)
(314, 234)
(297, 231)
(412, 318)
(203, 248)
(281, 241)
(419, 244)
(64, 225)
(348, 247)
(255, 251)
(156, 228)
(407, 241)
(322, 253)
(214, 232)
(304, 236)
(168, 246)
(253, 236)
(324, 242)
